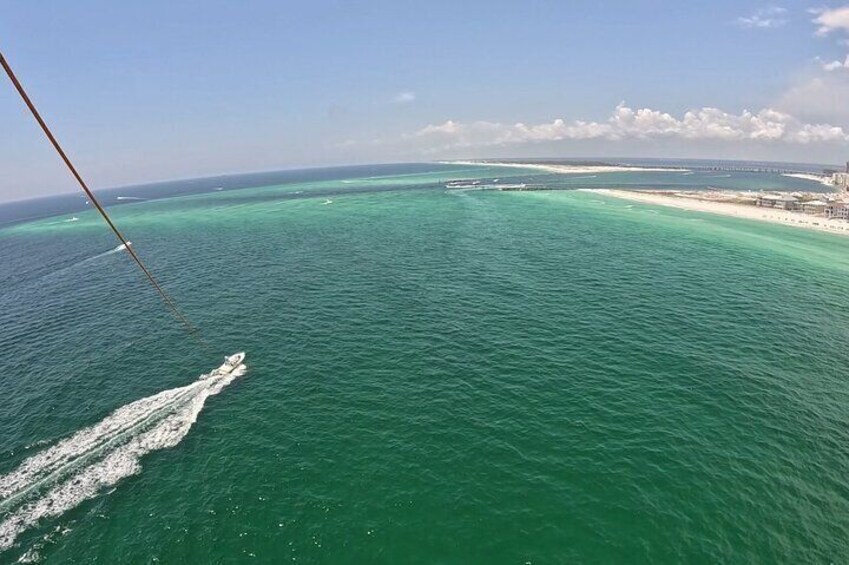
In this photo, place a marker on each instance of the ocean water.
(433, 376)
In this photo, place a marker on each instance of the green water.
(442, 377)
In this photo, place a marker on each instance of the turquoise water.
(433, 376)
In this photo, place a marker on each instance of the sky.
(145, 91)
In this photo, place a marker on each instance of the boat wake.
(121, 247)
(86, 261)
(78, 468)
(65, 221)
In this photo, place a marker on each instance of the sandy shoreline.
(745, 211)
(805, 176)
(567, 169)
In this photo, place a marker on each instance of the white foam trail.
(121, 247)
(118, 249)
(71, 219)
(86, 261)
(80, 467)
(129, 198)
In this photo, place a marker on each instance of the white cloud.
(404, 98)
(819, 98)
(819, 133)
(765, 18)
(831, 20)
(836, 19)
(768, 125)
(836, 65)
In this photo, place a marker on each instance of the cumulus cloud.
(404, 98)
(833, 20)
(765, 18)
(836, 65)
(829, 20)
(767, 125)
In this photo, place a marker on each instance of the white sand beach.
(566, 169)
(805, 176)
(796, 219)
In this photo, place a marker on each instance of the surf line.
(169, 302)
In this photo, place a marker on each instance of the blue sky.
(157, 90)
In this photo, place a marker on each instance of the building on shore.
(766, 200)
(814, 207)
(841, 180)
(787, 202)
(780, 201)
(837, 210)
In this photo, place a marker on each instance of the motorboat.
(463, 184)
(231, 363)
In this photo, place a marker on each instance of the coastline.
(811, 177)
(568, 169)
(743, 211)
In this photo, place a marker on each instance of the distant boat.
(326, 202)
(73, 219)
(462, 184)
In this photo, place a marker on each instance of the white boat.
(231, 363)
(463, 184)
